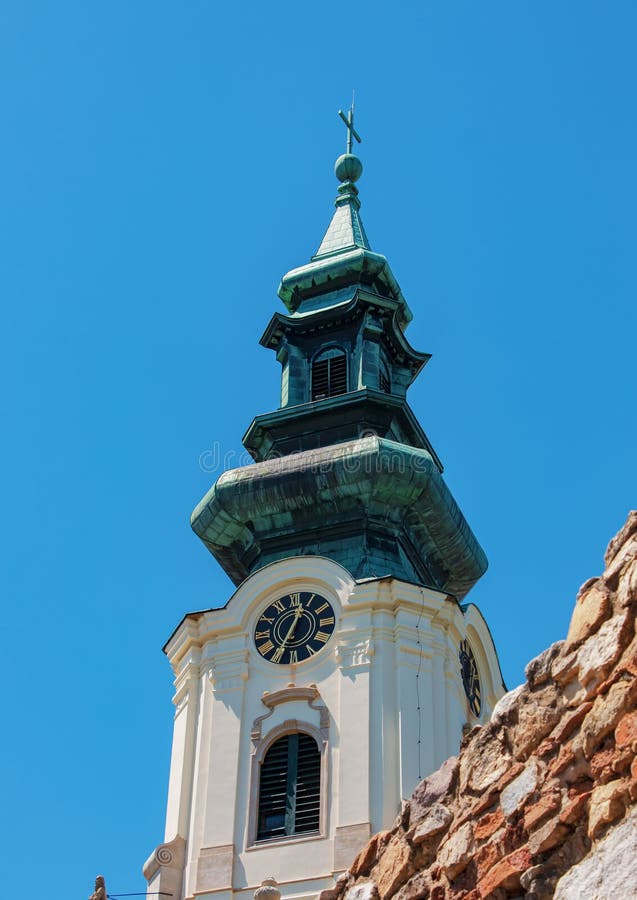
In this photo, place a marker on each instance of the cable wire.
(419, 670)
(141, 894)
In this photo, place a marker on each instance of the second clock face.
(294, 627)
(470, 677)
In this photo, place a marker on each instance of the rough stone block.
(548, 836)
(627, 587)
(488, 825)
(536, 719)
(514, 795)
(366, 858)
(606, 714)
(607, 805)
(435, 822)
(365, 890)
(570, 721)
(626, 731)
(484, 761)
(575, 809)
(624, 555)
(538, 671)
(545, 806)
(394, 867)
(486, 857)
(597, 655)
(623, 535)
(455, 854)
(505, 712)
(430, 791)
(506, 874)
(603, 872)
(592, 607)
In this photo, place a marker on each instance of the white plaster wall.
(387, 633)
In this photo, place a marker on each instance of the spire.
(346, 231)
(344, 262)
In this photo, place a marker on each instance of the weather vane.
(349, 121)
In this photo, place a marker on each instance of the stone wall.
(541, 802)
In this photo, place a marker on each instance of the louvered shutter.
(273, 790)
(338, 375)
(308, 786)
(329, 377)
(290, 788)
(320, 379)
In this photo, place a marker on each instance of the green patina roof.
(376, 506)
(346, 230)
(351, 474)
(344, 257)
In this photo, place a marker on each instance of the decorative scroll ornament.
(309, 694)
(351, 656)
(229, 674)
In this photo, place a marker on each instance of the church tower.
(346, 664)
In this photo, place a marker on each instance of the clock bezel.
(280, 641)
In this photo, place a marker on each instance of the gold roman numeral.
(278, 653)
(328, 621)
(295, 600)
(322, 607)
(265, 619)
(278, 605)
(294, 656)
(258, 635)
(265, 648)
(311, 651)
(321, 636)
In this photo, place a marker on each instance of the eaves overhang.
(332, 315)
(326, 274)
(343, 407)
(368, 483)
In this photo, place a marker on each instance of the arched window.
(329, 374)
(290, 788)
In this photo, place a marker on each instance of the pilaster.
(354, 658)
(184, 742)
(226, 673)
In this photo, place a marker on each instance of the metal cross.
(349, 121)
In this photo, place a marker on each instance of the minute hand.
(292, 627)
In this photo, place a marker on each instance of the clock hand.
(292, 628)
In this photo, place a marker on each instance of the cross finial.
(349, 121)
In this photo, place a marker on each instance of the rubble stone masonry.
(540, 802)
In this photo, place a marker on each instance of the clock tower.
(347, 663)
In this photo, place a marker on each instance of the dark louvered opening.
(329, 377)
(290, 788)
(273, 790)
(320, 379)
(308, 786)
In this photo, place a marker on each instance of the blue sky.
(162, 165)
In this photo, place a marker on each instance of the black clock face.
(470, 677)
(294, 627)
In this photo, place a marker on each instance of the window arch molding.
(290, 726)
(328, 350)
(329, 372)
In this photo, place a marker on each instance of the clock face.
(294, 627)
(470, 677)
